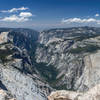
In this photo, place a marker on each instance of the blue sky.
(42, 14)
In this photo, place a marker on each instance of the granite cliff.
(18, 75)
(74, 55)
(34, 64)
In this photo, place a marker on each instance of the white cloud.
(14, 10)
(25, 14)
(79, 20)
(14, 18)
(97, 15)
(22, 17)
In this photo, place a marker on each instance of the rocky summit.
(55, 64)
(92, 94)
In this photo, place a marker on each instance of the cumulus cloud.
(14, 18)
(22, 17)
(96, 15)
(79, 20)
(14, 10)
(25, 14)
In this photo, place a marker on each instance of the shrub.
(88, 48)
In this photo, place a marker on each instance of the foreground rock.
(92, 94)
(5, 96)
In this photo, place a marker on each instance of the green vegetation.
(42, 46)
(4, 54)
(82, 37)
(48, 72)
(55, 82)
(88, 48)
(62, 87)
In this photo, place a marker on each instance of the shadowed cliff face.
(2, 86)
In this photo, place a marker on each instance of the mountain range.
(34, 64)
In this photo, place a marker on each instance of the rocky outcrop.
(5, 96)
(17, 73)
(22, 86)
(3, 37)
(92, 94)
(91, 73)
